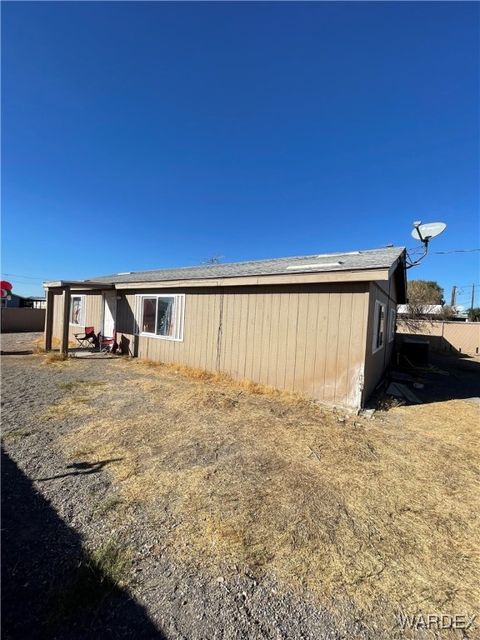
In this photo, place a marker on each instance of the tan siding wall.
(305, 338)
(376, 363)
(93, 315)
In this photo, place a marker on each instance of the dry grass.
(380, 513)
(38, 344)
(222, 380)
(54, 357)
(79, 401)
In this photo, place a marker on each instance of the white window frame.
(392, 321)
(376, 327)
(178, 315)
(82, 310)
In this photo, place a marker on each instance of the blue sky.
(141, 135)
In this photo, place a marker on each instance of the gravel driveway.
(58, 540)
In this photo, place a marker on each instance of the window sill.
(154, 335)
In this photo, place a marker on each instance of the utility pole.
(473, 297)
(454, 296)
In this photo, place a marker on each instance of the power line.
(18, 275)
(468, 286)
(456, 251)
(420, 248)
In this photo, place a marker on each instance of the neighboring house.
(321, 325)
(14, 301)
(435, 312)
(36, 302)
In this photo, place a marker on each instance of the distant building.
(435, 312)
(31, 302)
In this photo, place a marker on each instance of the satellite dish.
(426, 232)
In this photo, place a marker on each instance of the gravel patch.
(58, 521)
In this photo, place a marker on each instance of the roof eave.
(363, 275)
(398, 270)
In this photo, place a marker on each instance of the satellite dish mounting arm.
(424, 233)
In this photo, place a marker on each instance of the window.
(392, 320)
(161, 316)
(378, 327)
(77, 310)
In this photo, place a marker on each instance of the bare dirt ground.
(140, 502)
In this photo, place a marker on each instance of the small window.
(392, 322)
(378, 327)
(77, 310)
(162, 316)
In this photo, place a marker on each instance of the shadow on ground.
(25, 352)
(51, 588)
(81, 469)
(447, 377)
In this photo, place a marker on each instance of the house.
(35, 302)
(321, 325)
(18, 313)
(14, 301)
(435, 312)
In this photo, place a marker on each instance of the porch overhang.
(65, 288)
(77, 285)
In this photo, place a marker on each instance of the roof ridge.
(262, 260)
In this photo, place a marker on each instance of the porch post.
(49, 321)
(66, 320)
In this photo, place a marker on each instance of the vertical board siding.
(302, 342)
(93, 316)
(310, 345)
(376, 363)
(305, 338)
(271, 359)
(321, 344)
(333, 321)
(343, 347)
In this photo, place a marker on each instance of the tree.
(474, 314)
(421, 294)
(424, 292)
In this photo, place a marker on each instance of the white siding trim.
(82, 310)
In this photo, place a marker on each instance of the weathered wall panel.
(305, 338)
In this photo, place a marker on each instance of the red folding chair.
(107, 344)
(87, 338)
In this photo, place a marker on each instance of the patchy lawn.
(381, 513)
(233, 511)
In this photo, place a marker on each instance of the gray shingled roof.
(352, 261)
